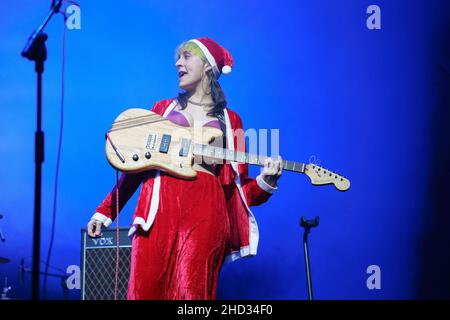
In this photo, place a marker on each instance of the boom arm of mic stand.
(28, 50)
(55, 275)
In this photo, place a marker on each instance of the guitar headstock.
(321, 176)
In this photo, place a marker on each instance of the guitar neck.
(242, 157)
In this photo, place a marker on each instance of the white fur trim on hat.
(208, 55)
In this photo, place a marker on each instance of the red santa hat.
(218, 57)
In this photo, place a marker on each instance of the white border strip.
(102, 218)
(264, 185)
(252, 248)
(208, 55)
(154, 202)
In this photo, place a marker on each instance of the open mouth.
(181, 74)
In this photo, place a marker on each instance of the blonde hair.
(192, 47)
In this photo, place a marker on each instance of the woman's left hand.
(272, 171)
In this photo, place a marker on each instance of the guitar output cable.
(58, 157)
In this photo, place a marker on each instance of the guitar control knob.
(148, 155)
(135, 157)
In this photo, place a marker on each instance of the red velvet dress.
(180, 257)
(183, 230)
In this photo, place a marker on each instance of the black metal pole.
(307, 225)
(307, 264)
(39, 159)
(35, 50)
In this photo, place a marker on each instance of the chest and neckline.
(179, 117)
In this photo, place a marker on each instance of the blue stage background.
(366, 102)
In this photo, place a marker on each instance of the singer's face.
(190, 68)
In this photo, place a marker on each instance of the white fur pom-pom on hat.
(226, 69)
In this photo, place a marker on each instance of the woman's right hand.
(94, 228)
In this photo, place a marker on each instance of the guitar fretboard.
(242, 157)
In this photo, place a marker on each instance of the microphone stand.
(307, 225)
(35, 50)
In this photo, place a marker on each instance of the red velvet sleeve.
(128, 184)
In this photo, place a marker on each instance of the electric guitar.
(141, 140)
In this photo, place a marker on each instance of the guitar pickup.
(151, 141)
(185, 144)
(165, 143)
